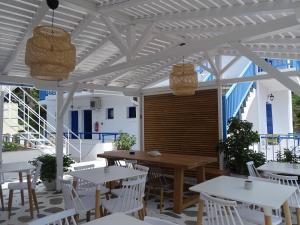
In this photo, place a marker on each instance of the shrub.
(125, 141)
(236, 146)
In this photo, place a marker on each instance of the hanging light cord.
(183, 65)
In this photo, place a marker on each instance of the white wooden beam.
(116, 35)
(59, 141)
(260, 8)
(67, 102)
(144, 39)
(213, 84)
(121, 5)
(212, 64)
(159, 68)
(83, 25)
(197, 46)
(286, 81)
(40, 14)
(228, 65)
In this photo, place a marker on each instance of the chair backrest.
(262, 179)
(70, 196)
(65, 217)
(130, 163)
(82, 183)
(157, 221)
(290, 181)
(85, 167)
(220, 211)
(131, 194)
(141, 168)
(36, 175)
(252, 170)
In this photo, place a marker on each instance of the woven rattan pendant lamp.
(183, 79)
(50, 53)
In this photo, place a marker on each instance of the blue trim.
(87, 125)
(74, 123)
(269, 118)
(44, 93)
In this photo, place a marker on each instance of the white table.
(98, 176)
(116, 219)
(266, 195)
(20, 167)
(279, 167)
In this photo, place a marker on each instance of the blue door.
(74, 123)
(87, 115)
(269, 118)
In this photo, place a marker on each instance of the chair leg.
(140, 214)
(145, 207)
(1, 196)
(107, 196)
(88, 216)
(101, 211)
(161, 199)
(35, 201)
(10, 198)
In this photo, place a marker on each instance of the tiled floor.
(51, 202)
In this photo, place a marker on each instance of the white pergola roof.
(128, 45)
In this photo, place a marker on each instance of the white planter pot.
(50, 186)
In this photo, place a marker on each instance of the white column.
(59, 137)
(218, 60)
(141, 122)
(1, 120)
(220, 123)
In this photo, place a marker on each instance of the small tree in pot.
(125, 141)
(48, 170)
(236, 147)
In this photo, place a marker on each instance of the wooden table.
(176, 161)
(117, 219)
(99, 176)
(264, 194)
(20, 167)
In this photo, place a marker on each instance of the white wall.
(81, 102)
(10, 119)
(281, 109)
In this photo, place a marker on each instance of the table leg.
(201, 174)
(287, 213)
(30, 195)
(97, 203)
(298, 215)
(200, 212)
(22, 192)
(178, 190)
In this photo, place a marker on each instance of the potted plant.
(288, 156)
(125, 141)
(48, 170)
(236, 146)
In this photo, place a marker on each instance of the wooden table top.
(166, 159)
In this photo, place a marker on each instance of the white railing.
(271, 144)
(46, 131)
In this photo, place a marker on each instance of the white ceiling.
(132, 44)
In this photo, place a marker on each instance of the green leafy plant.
(236, 147)
(287, 156)
(11, 146)
(48, 170)
(125, 141)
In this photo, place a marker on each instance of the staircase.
(239, 96)
(37, 131)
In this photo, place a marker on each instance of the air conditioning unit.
(95, 103)
(135, 100)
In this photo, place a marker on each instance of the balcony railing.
(103, 136)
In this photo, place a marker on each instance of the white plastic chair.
(24, 186)
(130, 197)
(252, 170)
(65, 217)
(130, 163)
(157, 221)
(294, 200)
(81, 203)
(221, 212)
